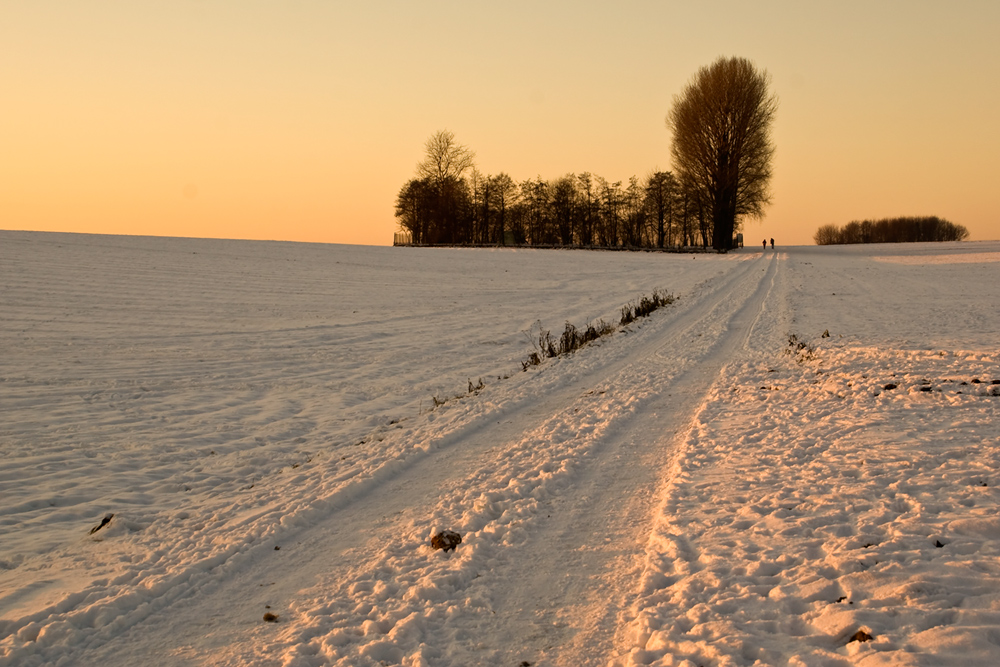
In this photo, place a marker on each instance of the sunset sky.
(300, 120)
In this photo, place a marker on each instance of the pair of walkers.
(764, 243)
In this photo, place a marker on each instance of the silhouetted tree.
(610, 212)
(589, 208)
(562, 201)
(479, 193)
(634, 214)
(439, 205)
(722, 142)
(503, 196)
(535, 205)
(827, 235)
(688, 216)
(450, 213)
(661, 192)
(445, 158)
(705, 227)
(413, 208)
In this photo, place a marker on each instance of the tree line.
(452, 202)
(891, 230)
(721, 150)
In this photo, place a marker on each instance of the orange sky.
(301, 120)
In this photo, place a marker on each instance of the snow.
(281, 428)
(952, 258)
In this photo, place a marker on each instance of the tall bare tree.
(479, 193)
(635, 218)
(413, 208)
(562, 201)
(445, 158)
(449, 211)
(534, 196)
(610, 197)
(661, 192)
(503, 195)
(588, 208)
(722, 142)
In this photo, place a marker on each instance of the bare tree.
(634, 229)
(610, 199)
(479, 193)
(535, 205)
(445, 158)
(722, 142)
(564, 207)
(661, 191)
(413, 208)
(588, 208)
(503, 195)
(827, 235)
(447, 213)
(688, 206)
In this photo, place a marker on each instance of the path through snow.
(682, 491)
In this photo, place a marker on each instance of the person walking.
(772, 244)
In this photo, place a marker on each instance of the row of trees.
(891, 230)
(451, 202)
(722, 153)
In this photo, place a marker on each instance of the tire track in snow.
(543, 450)
(562, 595)
(553, 551)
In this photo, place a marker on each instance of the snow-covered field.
(280, 428)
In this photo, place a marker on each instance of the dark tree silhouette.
(445, 158)
(450, 202)
(634, 232)
(439, 206)
(722, 146)
(535, 212)
(588, 205)
(564, 208)
(827, 235)
(891, 230)
(661, 193)
(413, 207)
(609, 223)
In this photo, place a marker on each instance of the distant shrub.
(891, 230)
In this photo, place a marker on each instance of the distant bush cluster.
(891, 230)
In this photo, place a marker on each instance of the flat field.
(795, 463)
